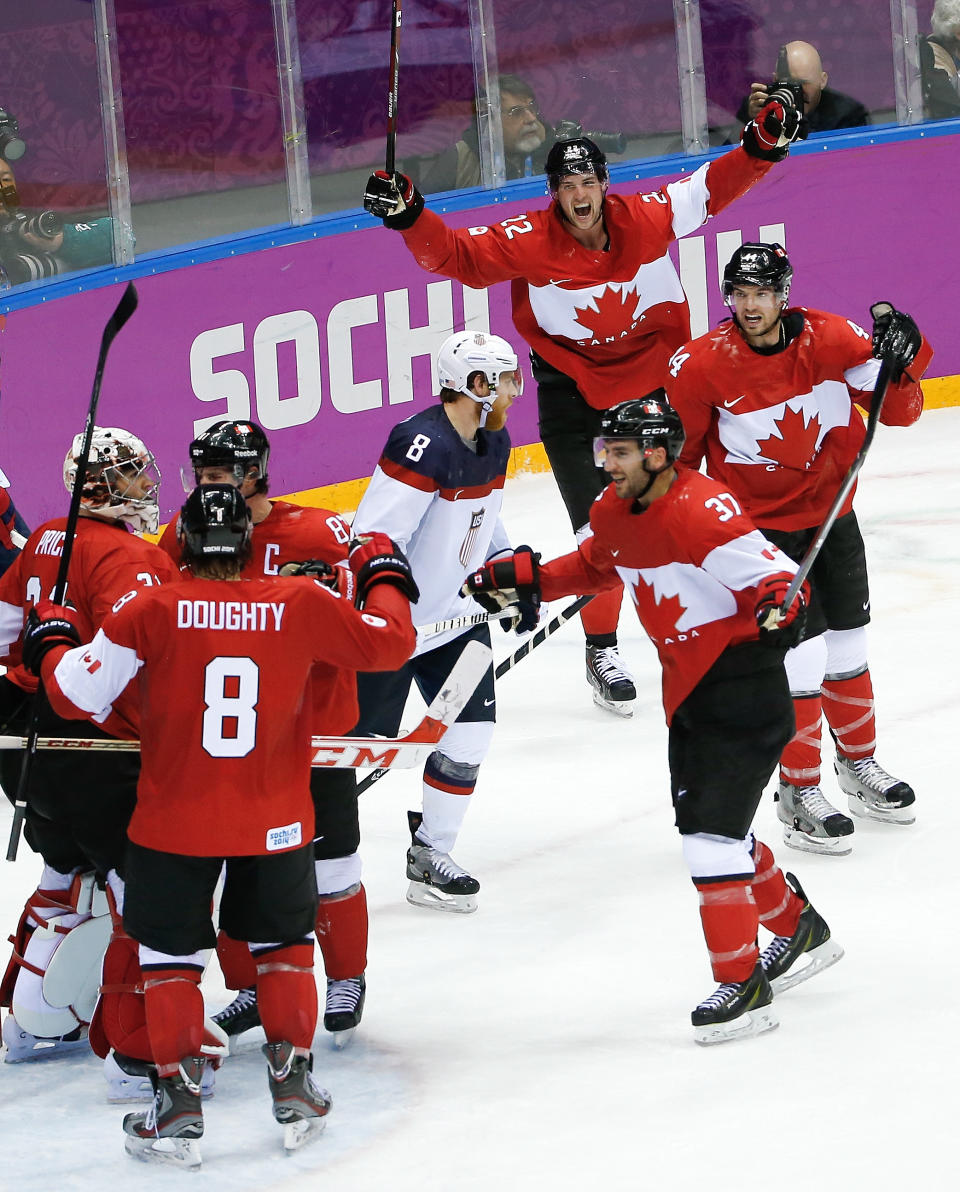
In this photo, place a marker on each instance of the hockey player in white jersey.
(437, 492)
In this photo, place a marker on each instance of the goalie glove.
(774, 129)
(779, 628)
(896, 338)
(338, 579)
(510, 582)
(376, 559)
(392, 198)
(48, 625)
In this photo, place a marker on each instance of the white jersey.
(440, 501)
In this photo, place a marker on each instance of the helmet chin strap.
(653, 475)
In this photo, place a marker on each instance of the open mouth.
(582, 210)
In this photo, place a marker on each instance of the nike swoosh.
(866, 606)
(730, 404)
(558, 281)
(458, 492)
(615, 553)
(487, 703)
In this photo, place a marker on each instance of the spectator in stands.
(940, 62)
(525, 144)
(824, 108)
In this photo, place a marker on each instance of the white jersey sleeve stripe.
(863, 376)
(745, 561)
(688, 199)
(91, 677)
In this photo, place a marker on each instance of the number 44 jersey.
(222, 671)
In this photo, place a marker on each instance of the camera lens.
(26, 267)
(11, 146)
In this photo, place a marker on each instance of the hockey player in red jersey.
(78, 805)
(708, 589)
(597, 298)
(238, 452)
(770, 399)
(223, 667)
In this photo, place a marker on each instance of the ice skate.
(344, 1008)
(736, 1010)
(789, 959)
(168, 1131)
(241, 1015)
(436, 880)
(874, 794)
(129, 1080)
(21, 1046)
(613, 687)
(810, 823)
(299, 1105)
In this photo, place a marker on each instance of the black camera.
(21, 261)
(45, 225)
(606, 142)
(786, 89)
(12, 146)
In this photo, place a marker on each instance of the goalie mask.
(234, 446)
(216, 522)
(466, 353)
(121, 478)
(765, 265)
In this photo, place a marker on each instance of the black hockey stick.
(391, 161)
(125, 308)
(509, 662)
(775, 616)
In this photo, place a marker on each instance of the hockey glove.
(778, 627)
(338, 579)
(896, 338)
(770, 135)
(376, 559)
(394, 199)
(512, 581)
(48, 625)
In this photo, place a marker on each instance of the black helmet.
(215, 521)
(759, 265)
(235, 445)
(651, 420)
(579, 156)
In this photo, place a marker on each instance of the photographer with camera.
(800, 74)
(597, 298)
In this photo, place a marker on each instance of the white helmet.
(117, 460)
(467, 352)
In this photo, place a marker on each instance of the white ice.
(545, 1042)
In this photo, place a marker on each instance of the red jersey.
(691, 562)
(610, 320)
(107, 562)
(782, 430)
(222, 670)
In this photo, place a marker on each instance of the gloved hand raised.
(376, 559)
(779, 628)
(48, 625)
(507, 582)
(392, 198)
(896, 338)
(337, 579)
(774, 129)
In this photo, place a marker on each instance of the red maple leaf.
(613, 315)
(796, 444)
(660, 616)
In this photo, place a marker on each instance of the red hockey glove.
(337, 579)
(510, 581)
(896, 338)
(770, 135)
(392, 198)
(48, 625)
(376, 559)
(778, 627)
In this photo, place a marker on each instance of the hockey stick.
(125, 308)
(508, 663)
(391, 161)
(465, 622)
(775, 616)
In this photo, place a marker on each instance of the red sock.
(174, 1007)
(602, 614)
(729, 917)
(342, 932)
(800, 761)
(848, 706)
(779, 907)
(237, 965)
(287, 994)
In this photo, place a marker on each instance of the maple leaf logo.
(795, 443)
(660, 615)
(610, 315)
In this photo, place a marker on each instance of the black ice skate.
(436, 880)
(737, 1010)
(129, 1080)
(299, 1105)
(168, 1131)
(613, 687)
(789, 959)
(810, 823)
(874, 794)
(344, 1008)
(241, 1015)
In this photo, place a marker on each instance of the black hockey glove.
(512, 581)
(896, 338)
(772, 132)
(338, 579)
(376, 559)
(777, 628)
(48, 625)
(394, 199)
